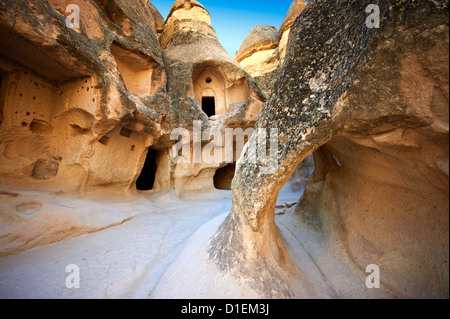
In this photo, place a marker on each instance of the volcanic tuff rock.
(159, 19)
(294, 11)
(199, 69)
(91, 110)
(373, 106)
(264, 49)
(259, 49)
(80, 107)
(72, 96)
(376, 103)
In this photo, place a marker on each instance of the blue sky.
(233, 19)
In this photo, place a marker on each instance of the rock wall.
(90, 108)
(81, 106)
(71, 97)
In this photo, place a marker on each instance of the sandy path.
(124, 261)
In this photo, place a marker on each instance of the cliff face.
(72, 96)
(81, 105)
(380, 189)
(91, 95)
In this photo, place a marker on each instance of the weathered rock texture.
(294, 11)
(80, 108)
(200, 70)
(159, 19)
(258, 54)
(92, 108)
(373, 104)
(264, 49)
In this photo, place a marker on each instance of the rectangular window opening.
(209, 105)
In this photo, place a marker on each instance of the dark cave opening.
(224, 177)
(209, 105)
(146, 180)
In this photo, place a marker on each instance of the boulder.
(258, 52)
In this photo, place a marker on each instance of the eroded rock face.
(205, 85)
(374, 102)
(264, 49)
(296, 8)
(258, 53)
(90, 109)
(71, 97)
(82, 105)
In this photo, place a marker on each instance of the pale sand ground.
(123, 248)
(123, 261)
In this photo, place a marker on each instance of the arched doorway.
(210, 92)
(146, 180)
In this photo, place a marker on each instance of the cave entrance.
(209, 86)
(209, 105)
(146, 180)
(224, 177)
